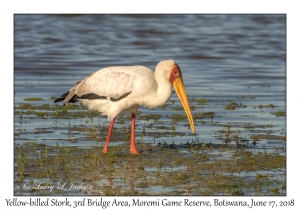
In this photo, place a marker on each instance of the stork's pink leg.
(133, 149)
(105, 148)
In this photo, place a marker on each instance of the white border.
(8, 8)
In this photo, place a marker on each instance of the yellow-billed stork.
(118, 89)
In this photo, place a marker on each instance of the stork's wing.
(112, 83)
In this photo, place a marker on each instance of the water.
(223, 58)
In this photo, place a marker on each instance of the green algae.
(234, 105)
(33, 99)
(279, 114)
(271, 106)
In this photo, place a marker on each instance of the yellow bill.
(180, 90)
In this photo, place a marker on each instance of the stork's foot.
(105, 150)
(133, 150)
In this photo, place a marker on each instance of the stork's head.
(174, 75)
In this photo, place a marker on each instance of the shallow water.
(223, 58)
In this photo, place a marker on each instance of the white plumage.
(115, 89)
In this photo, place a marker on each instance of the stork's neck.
(163, 91)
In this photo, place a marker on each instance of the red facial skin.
(176, 73)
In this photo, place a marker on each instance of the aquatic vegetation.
(234, 105)
(209, 172)
(279, 113)
(202, 101)
(267, 106)
(33, 99)
(255, 137)
(205, 115)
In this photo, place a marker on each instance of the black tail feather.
(89, 96)
(65, 94)
(73, 100)
(63, 97)
(59, 99)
